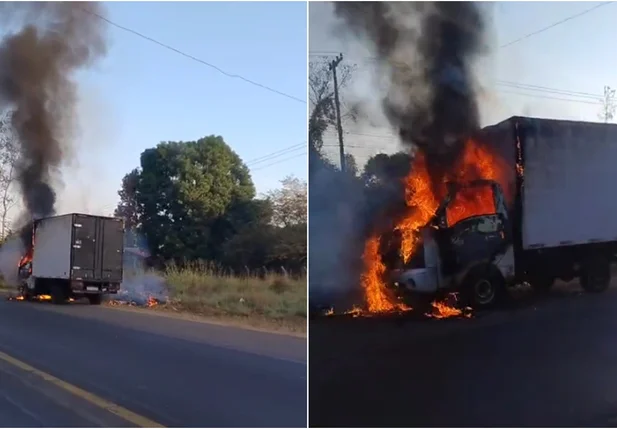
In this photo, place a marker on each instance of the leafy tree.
(290, 247)
(195, 201)
(128, 207)
(276, 238)
(183, 191)
(244, 221)
(383, 169)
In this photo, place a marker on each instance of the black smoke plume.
(38, 62)
(428, 49)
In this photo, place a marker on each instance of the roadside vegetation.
(275, 299)
(270, 300)
(201, 239)
(220, 250)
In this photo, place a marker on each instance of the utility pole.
(333, 64)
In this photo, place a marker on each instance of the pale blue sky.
(577, 55)
(142, 94)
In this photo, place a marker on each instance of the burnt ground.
(536, 362)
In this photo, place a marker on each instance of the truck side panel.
(52, 248)
(570, 176)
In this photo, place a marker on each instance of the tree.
(9, 155)
(351, 167)
(289, 203)
(608, 105)
(183, 192)
(128, 208)
(384, 169)
(321, 98)
(196, 201)
(383, 184)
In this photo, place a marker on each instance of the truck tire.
(24, 292)
(95, 299)
(595, 275)
(483, 287)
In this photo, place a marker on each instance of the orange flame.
(29, 254)
(422, 199)
(378, 298)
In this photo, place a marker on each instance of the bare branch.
(608, 105)
(9, 154)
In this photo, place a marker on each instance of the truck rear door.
(111, 249)
(97, 248)
(84, 247)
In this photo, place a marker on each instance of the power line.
(276, 154)
(184, 54)
(569, 18)
(521, 85)
(547, 89)
(392, 136)
(278, 162)
(596, 103)
(526, 36)
(270, 158)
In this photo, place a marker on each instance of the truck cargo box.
(570, 174)
(78, 247)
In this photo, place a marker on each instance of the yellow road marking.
(116, 409)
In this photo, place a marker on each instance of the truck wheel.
(23, 291)
(95, 299)
(483, 287)
(595, 275)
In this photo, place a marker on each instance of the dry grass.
(275, 300)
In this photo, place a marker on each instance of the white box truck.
(561, 224)
(73, 256)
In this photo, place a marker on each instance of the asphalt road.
(79, 365)
(552, 363)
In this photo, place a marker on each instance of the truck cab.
(466, 247)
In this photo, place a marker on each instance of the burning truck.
(72, 256)
(528, 202)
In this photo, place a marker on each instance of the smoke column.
(427, 48)
(37, 84)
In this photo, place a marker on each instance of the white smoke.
(10, 254)
(138, 287)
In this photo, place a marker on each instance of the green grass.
(272, 301)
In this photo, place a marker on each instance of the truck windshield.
(469, 202)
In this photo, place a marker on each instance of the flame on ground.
(422, 198)
(149, 302)
(39, 298)
(355, 311)
(442, 310)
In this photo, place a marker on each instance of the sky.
(574, 56)
(142, 94)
